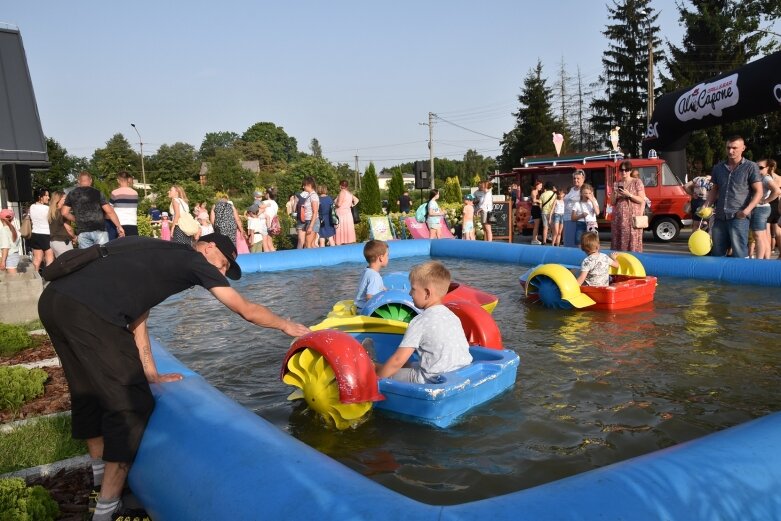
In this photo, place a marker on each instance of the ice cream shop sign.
(708, 99)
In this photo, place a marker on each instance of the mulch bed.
(69, 488)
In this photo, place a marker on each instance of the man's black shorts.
(110, 396)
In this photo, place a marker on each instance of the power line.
(464, 128)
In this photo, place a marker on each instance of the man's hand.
(164, 378)
(120, 231)
(741, 214)
(294, 329)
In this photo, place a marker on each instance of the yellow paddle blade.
(317, 384)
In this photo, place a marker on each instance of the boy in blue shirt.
(376, 254)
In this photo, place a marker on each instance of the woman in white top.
(179, 206)
(271, 209)
(40, 240)
(486, 207)
(572, 197)
(10, 242)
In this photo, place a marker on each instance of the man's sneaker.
(131, 514)
(535, 241)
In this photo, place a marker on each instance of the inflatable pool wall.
(203, 456)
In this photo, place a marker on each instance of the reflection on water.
(593, 388)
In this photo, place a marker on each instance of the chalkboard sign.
(503, 227)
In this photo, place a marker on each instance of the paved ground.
(678, 246)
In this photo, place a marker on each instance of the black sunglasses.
(626, 169)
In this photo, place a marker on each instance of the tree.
(720, 36)
(116, 156)
(254, 151)
(282, 146)
(476, 165)
(63, 170)
(534, 122)
(321, 170)
(395, 190)
(315, 147)
(214, 141)
(226, 173)
(625, 72)
(173, 164)
(451, 193)
(370, 192)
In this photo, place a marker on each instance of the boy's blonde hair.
(589, 242)
(431, 273)
(373, 250)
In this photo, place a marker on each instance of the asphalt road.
(680, 245)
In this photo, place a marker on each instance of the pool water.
(593, 388)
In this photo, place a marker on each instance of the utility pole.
(650, 76)
(141, 146)
(431, 146)
(357, 173)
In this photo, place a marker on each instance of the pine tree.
(370, 193)
(625, 72)
(451, 193)
(535, 123)
(395, 190)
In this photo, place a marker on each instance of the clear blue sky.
(358, 76)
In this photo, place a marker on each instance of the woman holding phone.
(628, 201)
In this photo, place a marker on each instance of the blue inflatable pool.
(205, 457)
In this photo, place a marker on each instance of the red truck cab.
(662, 187)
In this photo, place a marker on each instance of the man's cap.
(7, 214)
(226, 246)
(257, 194)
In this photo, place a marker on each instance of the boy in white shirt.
(436, 334)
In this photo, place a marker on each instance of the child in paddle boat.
(436, 334)
(595, 269)
(377, 255)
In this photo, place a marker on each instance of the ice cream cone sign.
(614, 137)
(558, 139)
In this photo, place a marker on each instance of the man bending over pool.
(96, 319)
(436, 334)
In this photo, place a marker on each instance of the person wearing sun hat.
(96, 318)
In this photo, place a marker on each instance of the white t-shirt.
(558, 209)
(39, 214)
(258, 227)
(487, 203)
(572, 197)
(587, 208)
(7, 239)
(438, 337)
(272, 208)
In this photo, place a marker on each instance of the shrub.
(19, 385)
(13, 339)
(18, 502)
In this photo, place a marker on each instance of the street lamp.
(141, 145)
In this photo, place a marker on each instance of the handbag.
(640, 221)
(356, 215)
(26, 229)
(334, 217)
(187, 222)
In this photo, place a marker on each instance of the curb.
(11, 426)
(50, 468)
(49, 362)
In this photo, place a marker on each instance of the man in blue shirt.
(737, 188)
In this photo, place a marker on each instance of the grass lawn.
(39, 442)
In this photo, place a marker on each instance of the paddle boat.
(335, 374)
(555, 286)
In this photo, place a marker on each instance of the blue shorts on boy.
(370, 284)
(438, 337)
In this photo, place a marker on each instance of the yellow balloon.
(700, 243)
(705, 212)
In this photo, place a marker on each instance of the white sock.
(98, 466)
(105, 508)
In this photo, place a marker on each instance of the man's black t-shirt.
(87, 203)
(124, 285)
